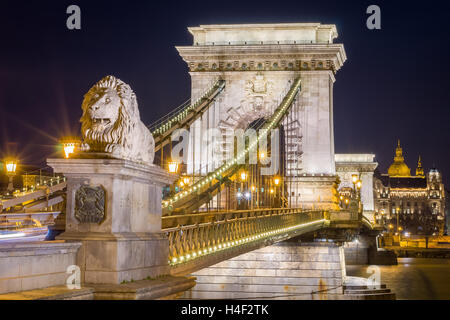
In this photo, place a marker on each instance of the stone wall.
(28, 266)
(356, 253)
(286, 270)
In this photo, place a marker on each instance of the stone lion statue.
(111, 122)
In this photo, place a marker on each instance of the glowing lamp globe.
(11, 166)
(69, 148)
(173, 167)
(70, 145)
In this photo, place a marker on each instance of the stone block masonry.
(28, 266)
(288, 270)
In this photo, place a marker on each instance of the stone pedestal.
(114, 209)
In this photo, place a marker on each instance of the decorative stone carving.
(259, 85)
(111, 123)
(90, 204)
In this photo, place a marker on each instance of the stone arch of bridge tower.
(261, 107)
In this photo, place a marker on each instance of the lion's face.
(103, 109)
(109, 111)
(111, 123)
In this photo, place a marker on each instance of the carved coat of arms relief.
(258, 95)
(90, 204)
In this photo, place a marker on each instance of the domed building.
(399, 167)
(416, 202)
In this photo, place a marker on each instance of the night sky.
(394, 84)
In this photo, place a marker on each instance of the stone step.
(376, 296)
(367, 291)
(362, 287)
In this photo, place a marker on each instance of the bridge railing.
(44, 190)
(17, 221)
(165, 123)
(226, 230)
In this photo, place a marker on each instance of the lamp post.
(276, 182)
(398, 226)
(244, 176)
(341, 200)
(253, 189)
(358, 194)
(354, 180)
(10, 166)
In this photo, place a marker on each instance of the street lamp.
(70, 145)
(173, 166)
(354, 178)
(10, 166)
(243, 176)
(358, 184)
(69, 148)
(276, 181)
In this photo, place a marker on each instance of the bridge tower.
(259, 62)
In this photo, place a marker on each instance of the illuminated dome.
(399, 167)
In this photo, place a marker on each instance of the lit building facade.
(413, 204)
(363, 166)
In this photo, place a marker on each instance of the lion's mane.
(127, 124)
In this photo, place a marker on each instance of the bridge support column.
(114, 209)
(312, 192)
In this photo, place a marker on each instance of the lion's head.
(109, 112)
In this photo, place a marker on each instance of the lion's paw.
(116, 150)
(85, 147)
